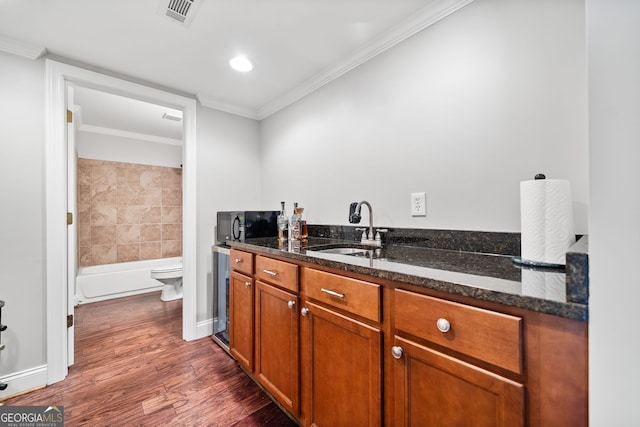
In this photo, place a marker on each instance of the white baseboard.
(20, 382)
(204, 328)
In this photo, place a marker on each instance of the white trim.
(18, 47)
(424, 18)
(127, 134)
(228, 108)
(205, 328)
(58, 75)
(55, 223)
(189, 225)
(22, 381)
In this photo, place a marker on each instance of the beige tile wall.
(128, 212)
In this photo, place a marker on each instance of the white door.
(72, 250)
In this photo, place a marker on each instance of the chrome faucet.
(372, 238)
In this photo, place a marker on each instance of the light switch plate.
(418, 204)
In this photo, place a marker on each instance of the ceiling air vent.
(181, 11)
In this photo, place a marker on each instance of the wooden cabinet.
(278, 273)
(324, 345)
(241, 261)
(482, 334)
(341, 355)
(277, 334)
(434, 388)
(264, 324)
(355, 296)
(241, 303)
(342, 379)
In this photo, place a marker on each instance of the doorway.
(58, 78)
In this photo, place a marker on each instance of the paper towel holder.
(536, 264)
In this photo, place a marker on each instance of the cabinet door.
(433, 389)
(342, 370)
(241, 300)
(277, 345)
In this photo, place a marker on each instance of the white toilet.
(171, 276)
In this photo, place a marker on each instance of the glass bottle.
(303, 223)
(283, 224)
(295, 226)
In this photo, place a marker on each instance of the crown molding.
(127, 134)
(21, 48)
(425, 17)
(228, 108)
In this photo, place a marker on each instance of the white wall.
(614, 227)
(122, 149)
(228, 179)
(22, 214)
(463, 110)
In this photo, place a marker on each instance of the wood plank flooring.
(132, 368)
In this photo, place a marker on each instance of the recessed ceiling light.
(241, 63)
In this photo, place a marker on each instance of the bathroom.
(128, 194)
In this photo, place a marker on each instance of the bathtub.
(102, 282)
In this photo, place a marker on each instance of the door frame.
(58, 77)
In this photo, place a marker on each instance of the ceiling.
(297, 45)
(109, 114)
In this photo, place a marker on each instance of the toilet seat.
(166, 272)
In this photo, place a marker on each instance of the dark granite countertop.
(482, 276)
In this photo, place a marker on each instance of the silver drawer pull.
(271, 273)
(332, 293)
(291, 304)
(247, 284)
(396, 352)
(443, 325)
(304, 311)
(238, 260)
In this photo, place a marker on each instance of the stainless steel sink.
(372, 253)
(343, 251)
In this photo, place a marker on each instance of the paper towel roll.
(546, 220)
(544, 284)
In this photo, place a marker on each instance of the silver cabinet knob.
(238, 260)
(443, 325)
(291, 304)
(396, 352)
(304, 311)
(247, 284)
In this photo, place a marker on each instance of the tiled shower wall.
(128, 212)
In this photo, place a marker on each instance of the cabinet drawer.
(485, 335)
(276, 272)
(241, 261)
(355, 296)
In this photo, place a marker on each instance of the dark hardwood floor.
(132, 368)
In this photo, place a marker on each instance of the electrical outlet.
(418, 204)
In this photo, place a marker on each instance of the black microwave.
(241, 225)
